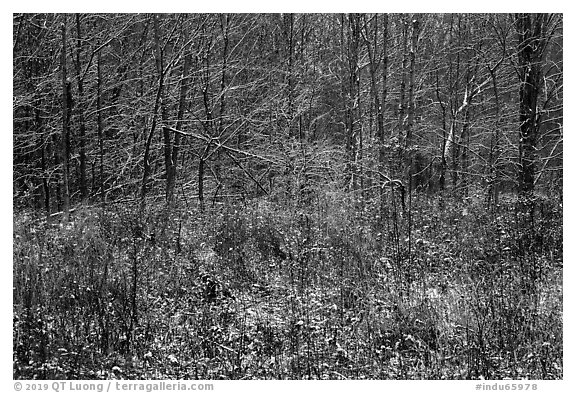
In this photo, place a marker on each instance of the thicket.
(259, 290)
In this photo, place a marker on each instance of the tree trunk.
(201, 183)
(494, 172)
(352, 93)
(411, 103)
(100, 127)
(167, 138)
(382, 137)
(80, 106)
(146, 170)
(530, 49)
(184, 84)
(409, 154)
(65, 128)
(290, 40)
(402, 92)
(373, 63)
(442, 175)
(225, 26)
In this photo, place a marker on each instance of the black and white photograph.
(287, 196)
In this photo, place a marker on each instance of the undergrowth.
(447, 290)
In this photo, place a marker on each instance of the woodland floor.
(453, 290)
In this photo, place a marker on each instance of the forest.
(287, 196)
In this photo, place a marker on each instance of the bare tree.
(531, 45)
(66, 108)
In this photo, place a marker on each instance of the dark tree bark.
(530, 52)
(352, 93)
(385, 61)
(81, 108)
(409, 156)
(373, 63)
(225, 27)
(402, 92)
(167, 138)
(443, 164)
(289, 32)
(146, 169)
(208, 124)
(184, 85)
(411, 101)
(100, 126)
(382, 135)
(65, 127)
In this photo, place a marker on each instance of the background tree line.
(283, 105)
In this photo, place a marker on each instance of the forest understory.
(261, 291)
